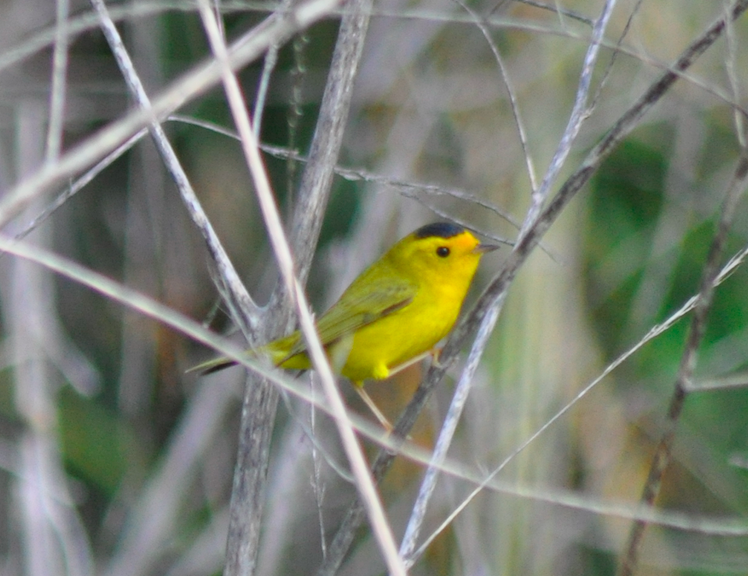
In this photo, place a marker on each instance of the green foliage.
(624, 205)
(98, 445)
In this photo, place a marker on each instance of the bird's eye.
(442, 251)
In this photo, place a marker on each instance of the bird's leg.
(435, 353)
(373, 407)
(404, 365)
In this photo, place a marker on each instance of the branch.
(244, 310)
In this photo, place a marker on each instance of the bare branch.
(577, 117)
(78, 185)
(59, 81)
(482, 25)
(234, 292)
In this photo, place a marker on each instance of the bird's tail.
(277, 352)
(212, 366)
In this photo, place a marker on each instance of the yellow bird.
(393, 314)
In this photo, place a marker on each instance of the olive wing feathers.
(359, 307)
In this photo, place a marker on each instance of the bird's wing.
(358, 307)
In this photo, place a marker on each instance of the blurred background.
(114, 461)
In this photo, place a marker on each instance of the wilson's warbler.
(393, 314)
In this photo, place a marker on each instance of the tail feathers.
(277, 352)
(211, 366)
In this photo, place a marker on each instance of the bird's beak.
(483, 248)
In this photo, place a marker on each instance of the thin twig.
(614, 56)
(730, 382)
(77, 186)
(559, 10)
(318, 487)
(446, 434)
(732, 75)
(59, 81)
(577, 117)
(482, 25)
(309, 431)
(271, 60)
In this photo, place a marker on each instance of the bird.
(392, 315)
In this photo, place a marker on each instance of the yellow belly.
(388, 342)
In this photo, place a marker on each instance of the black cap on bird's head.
(440, 229)
(448, 230)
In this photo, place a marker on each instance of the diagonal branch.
(317, 178)
(236, 296)
(577, 117)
